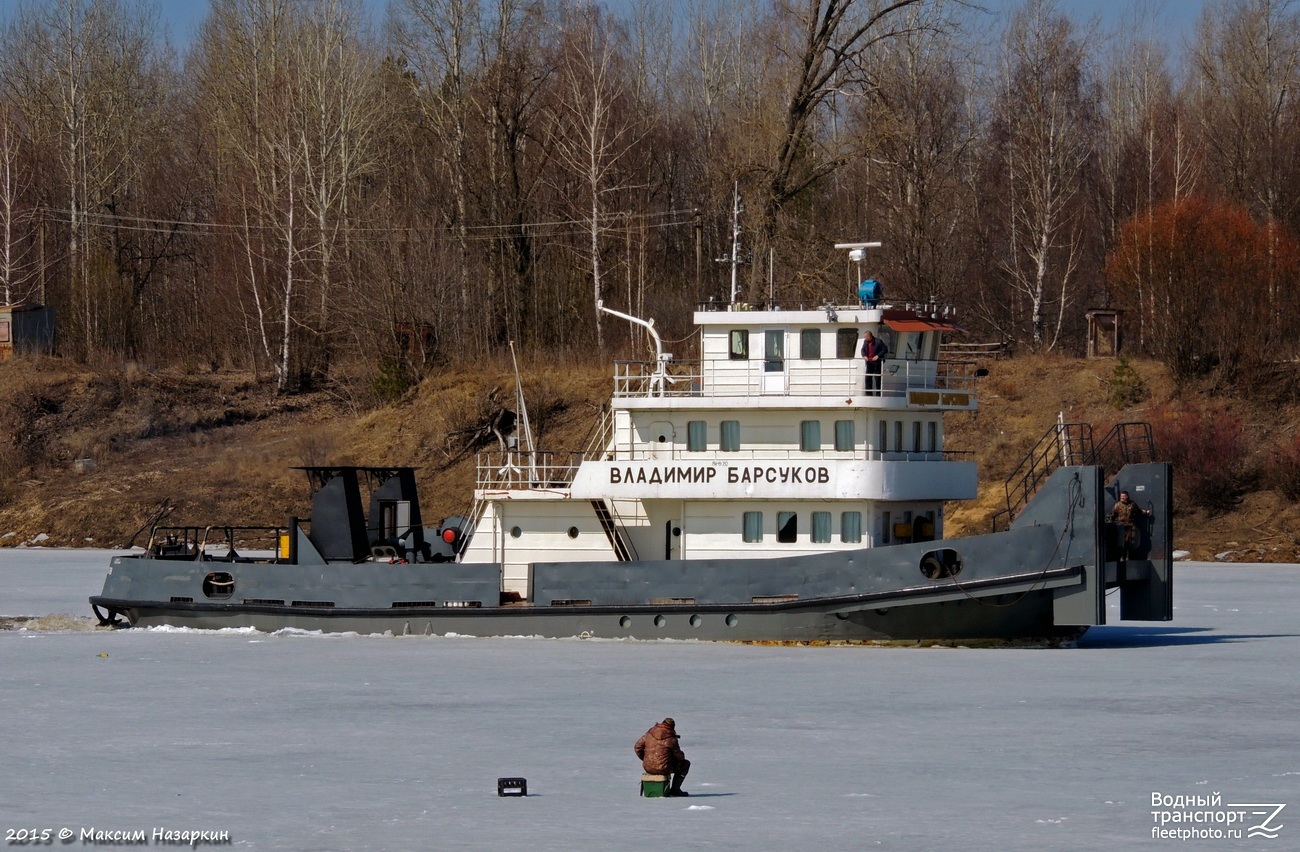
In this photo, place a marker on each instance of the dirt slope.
(220, 446)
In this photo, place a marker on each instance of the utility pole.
(735, 238)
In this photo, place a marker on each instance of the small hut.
(26, 327)
(1103, 332)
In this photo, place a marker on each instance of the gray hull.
(1045, 577)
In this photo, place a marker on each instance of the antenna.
(858, 252)
(523, 415)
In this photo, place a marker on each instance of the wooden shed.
(26, 327)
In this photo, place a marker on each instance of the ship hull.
(1045, 577)
(1027, 617)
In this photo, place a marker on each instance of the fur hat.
(669, 722)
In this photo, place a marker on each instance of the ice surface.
(305, 741)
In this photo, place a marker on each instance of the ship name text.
(784, 474)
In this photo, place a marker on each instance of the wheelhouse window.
(753, 527)
(730, 436)
(739, 348)
(810, 344)
(916, 435)
(884, 528)
(932, 431)
(851, 527)
(810, 436)
(883, 446)
(846, 343)
(787, 527)
(696, 436)
(898, 435)
(844, 437)
(821, 527)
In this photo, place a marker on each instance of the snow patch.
(1182, 554)
(700, 808)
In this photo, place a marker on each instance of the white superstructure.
(769, 445)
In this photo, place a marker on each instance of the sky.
(1177, 17)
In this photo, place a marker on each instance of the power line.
(617, 222)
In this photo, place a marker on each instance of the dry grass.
(221, 446)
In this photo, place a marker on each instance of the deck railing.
(726, 378)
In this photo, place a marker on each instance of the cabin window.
(851, 527)
(753, 528)
(787, 527)
(916, 435)
(932, 433)
(821, 527)
(730, 436)
(846, 343)
(884, 438)
(884, 528)
(810, 436)
(898, 435)
(739, 349)
(697, 432)
(810, 344)
(844, 436)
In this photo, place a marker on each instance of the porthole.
(941, 564)
(696, 621)
(219, 584)
(625, 622)
(677, 532)
(573, 532)
(515, 532)
(660, 621)
(731, 620)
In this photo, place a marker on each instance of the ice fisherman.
(661, 754)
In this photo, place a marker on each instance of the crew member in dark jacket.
(661, 754)
(874, 351)
(1128, 515)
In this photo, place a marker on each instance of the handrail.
(1125, 443)
(1072, 443)
(1062, 445)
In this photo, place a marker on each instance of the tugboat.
(774, 490)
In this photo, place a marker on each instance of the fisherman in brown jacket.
(661, 754)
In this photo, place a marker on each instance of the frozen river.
(305, 742)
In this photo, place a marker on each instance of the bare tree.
(16, 268)
(84, 73)
(1044, 128)
(918, 136)
(823, 45)
(1247, 61)
(595, 128)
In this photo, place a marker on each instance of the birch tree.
(1044, 128)
(16, 266)
(596, 129)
